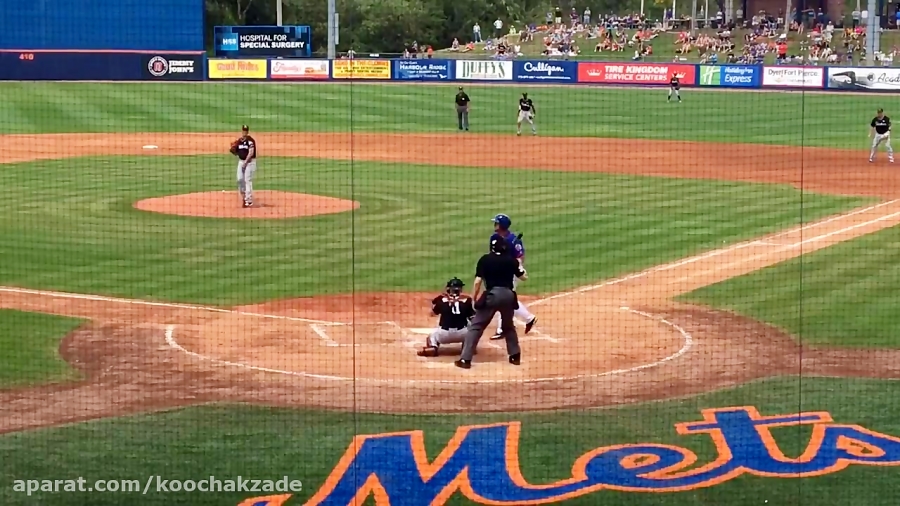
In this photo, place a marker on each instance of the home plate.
(421, 331)
(151, 146)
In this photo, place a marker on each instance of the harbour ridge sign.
(481, 462)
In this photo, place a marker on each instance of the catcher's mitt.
(234, 148)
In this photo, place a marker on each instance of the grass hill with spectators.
(808, 48)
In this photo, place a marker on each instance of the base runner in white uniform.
(881, 133)
(455, 311)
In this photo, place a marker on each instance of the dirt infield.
(268, 205)
(618, 341)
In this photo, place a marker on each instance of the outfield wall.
(121, 25)
(195, 66)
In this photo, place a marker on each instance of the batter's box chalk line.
(685, 348)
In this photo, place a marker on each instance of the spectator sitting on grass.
(642, 52)
(454, 46)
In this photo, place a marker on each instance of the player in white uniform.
(516, 248)
(881, 133)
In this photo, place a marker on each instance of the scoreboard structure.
(263, 41)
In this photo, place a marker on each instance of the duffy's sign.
(481, 462)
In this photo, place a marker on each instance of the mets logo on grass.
(481, 462)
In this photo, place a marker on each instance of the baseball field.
(715, 283)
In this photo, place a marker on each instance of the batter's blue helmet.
(502, 220)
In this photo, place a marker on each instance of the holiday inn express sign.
(481, 462)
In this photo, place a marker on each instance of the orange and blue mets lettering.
(481, 462)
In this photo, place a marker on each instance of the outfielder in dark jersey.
(674, 87)
(526, 113)
(455, 311)
(881, 133)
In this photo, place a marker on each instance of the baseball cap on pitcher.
(245, 128)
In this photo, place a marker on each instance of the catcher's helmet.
(502, 221)
(455, 286)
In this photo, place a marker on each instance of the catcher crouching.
(455, 310)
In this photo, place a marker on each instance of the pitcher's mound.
(270, 205)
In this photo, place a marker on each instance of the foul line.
(168, 305)
(746, 244)
(758, 242)
(688, 344)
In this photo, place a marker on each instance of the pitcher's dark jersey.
(243, 148)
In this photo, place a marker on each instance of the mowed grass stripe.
(715, 116)
(417, 226)
(844, 295)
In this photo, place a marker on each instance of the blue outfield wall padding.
(160, 25)
(103, 66)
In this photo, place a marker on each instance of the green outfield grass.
(270, 443)
(30, 344)
(73, 228)
(828, 120)
(845, 295)
(81, 233)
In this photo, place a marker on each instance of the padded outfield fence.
(195, 66)
(714, 278)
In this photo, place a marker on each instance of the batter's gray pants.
(462, 116)
(499, 300)
(245, 179)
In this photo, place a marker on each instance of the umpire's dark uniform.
(496, 271)
(462, 109)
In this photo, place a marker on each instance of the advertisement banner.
(173, 67)
(422, 70)
(484, 70)
(793, 77)
(859, 78)
(730, 76)
(299, 70)
(545, 71)
(361, 69)
(636, 73)
(238, 69)
(244, 41)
